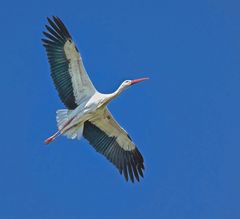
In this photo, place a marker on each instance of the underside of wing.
(109, 139)
(67, 70)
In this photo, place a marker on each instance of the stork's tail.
(63, 117)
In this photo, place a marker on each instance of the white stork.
(87, 114)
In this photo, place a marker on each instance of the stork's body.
(87, 114)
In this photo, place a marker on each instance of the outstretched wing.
(109, 139)
(67, 70)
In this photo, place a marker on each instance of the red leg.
(49, 140)
(58, 133)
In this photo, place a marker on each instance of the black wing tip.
(52, 17)
(44, 41)
(57, 30)
(61, 26)
(48, 19)
(132, 179)
(133, 166)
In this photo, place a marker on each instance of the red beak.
(138, 80)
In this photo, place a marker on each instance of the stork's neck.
(115, 94)
(118, 91)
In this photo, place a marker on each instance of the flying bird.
(87, 114)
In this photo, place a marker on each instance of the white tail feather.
(62, 118)
(74, 132)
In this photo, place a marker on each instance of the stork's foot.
(49, 140)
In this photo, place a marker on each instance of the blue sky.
(185, 120)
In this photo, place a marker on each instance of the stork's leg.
(52, 138)
(58, 133)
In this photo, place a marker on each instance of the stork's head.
(128, 83)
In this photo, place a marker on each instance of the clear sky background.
(185, 120)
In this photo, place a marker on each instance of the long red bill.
(138, 80)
